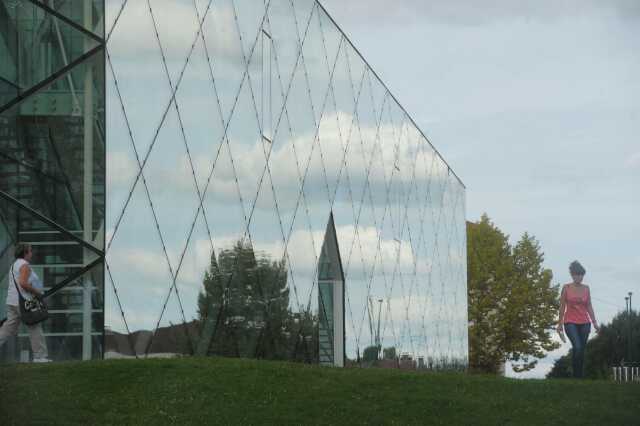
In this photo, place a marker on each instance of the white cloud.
(395, 163)
(134, 35)
(633, 161)
(139, 261)
(121, 170)
(304, 249)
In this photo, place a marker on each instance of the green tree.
(370, 354)
(607, 349)
(512, 304)
(389, 353)
(302, 332)
(249, 299)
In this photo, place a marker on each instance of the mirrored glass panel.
(223, 135)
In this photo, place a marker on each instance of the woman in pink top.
(576, 315)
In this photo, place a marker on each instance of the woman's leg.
(10, 326)
(571, 330)
(583, 336)
(38, 343)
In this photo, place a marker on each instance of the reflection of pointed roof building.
(331, 300)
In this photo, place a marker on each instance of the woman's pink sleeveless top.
(577, 303)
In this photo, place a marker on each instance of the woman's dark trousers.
(578, 335)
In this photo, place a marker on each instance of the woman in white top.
(30, 286)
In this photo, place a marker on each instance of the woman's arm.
(590, 311)
(23, 280)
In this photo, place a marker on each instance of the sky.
(536, 107)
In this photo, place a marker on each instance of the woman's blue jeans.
(578, 335)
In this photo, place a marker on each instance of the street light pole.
(626, 299)
(630, 330)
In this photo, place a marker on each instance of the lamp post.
(630, 330)
(626, 299)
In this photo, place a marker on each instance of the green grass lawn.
(232, 391)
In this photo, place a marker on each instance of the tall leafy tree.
(512, 304)
(534, 310)
(249, 299)
(489, 272)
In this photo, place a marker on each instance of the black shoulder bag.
(32, 311)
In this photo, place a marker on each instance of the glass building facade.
(263, 187)
(52, 166)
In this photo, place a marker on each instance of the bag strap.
(15, 282)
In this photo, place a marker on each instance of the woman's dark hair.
(21, 250)
(576, 268)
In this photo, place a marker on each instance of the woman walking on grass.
(23, 277)
(576, 315)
